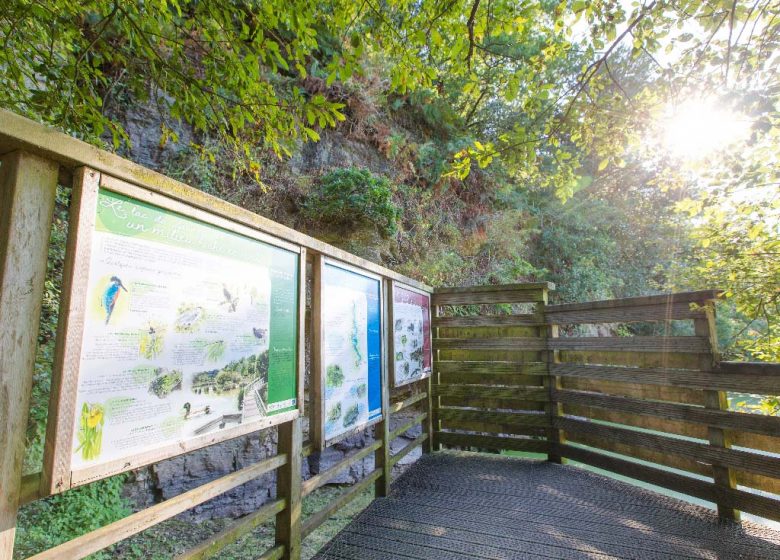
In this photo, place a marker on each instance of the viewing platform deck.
(456, 505)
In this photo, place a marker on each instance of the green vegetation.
(49, 522)
(459, 143)
(351, 197)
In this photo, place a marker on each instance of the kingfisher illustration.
(111, 295)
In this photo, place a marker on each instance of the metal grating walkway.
(456, 505)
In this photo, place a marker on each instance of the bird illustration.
(231, 301)
(260, 333)
(111, 295)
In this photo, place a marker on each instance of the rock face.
(179, 474)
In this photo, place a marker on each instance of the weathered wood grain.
(665, 344)
(498, 393)
(769, 425)
(485, 297)
(761, 381)
(701, 297)
(635, 389)
(700, 451)
(496, 443)
(27, 191)
(288, 487)
(519, 343)
(479, 321)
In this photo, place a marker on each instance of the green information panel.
(189, 333)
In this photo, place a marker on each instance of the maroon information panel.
(411, 335)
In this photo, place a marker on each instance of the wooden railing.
(34, 161)
(653, 408)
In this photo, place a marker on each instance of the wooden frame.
(391, 333)
(58, 474)
(317, 431)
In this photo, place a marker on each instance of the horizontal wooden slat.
(485, 379)
(738, 499)
(635, 389)
(662, 299)
(491, 428)
(698, 431)
(733, 458)
(658, 458)
(489, 332)
(716, 418)
(406, 403)
(215, 543)
(524, 343)
(486, 355)
(508, 418)
(504, 404)
(490, 368)
(483, 297)
(526, 320)
(342, 500)
(492, 442)
(407, 426)
(659, 360)
(495, 288)
(485, 392)
(114, 532)
(688, 344)
(310, 485)
(633, 314)
(275, 553)
(30, 489)
(722, 380)
(516, 423)
(419, 440)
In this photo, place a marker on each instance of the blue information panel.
(351, 350)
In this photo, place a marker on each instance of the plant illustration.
(351, 415)
(334, 376)
(150, 344)
(334, 413)
(165, 383)
(90, 435)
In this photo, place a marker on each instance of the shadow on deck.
(456, 505)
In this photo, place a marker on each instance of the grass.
(174, 536)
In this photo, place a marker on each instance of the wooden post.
(316, 393)
(555, 436)
(434, 402)
(27, 195)
(717, 400)
(428, 425)
(288, 486)
(382, 429)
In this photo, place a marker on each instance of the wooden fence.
(627, 404)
